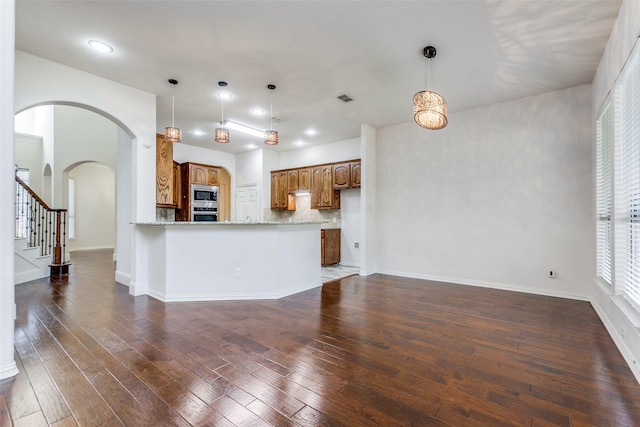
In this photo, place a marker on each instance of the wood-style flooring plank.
(49, 398)
(363, 352)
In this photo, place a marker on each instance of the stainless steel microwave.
(204, 193)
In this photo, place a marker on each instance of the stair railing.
(41, 225)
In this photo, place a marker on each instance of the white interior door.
(247, 203)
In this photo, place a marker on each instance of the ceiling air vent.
(345, 98)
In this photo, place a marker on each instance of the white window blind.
(627, 116)
(604, 138)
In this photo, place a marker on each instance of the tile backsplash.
(303, 213)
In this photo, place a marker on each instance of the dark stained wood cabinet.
(165, 190)
(177, 199)
(323, 196)
(355, 174)
(346, 175)
(279, 190)
(200, 174)
(341, 176)
(292, 181)
(304, 179)
(330, 246)
(322, 181)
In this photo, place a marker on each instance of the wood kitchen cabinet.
(346, 175)
(323, 196)
(322, 181)
(292, 181)
(341, 176)
(330, 246)
(201, 174)
(304, 179)
(165, 189)
(355, 174)
(177, 199)
(279, 191)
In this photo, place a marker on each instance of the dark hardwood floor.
(363, 351)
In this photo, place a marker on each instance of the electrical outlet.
(551, 273)
(356, 245)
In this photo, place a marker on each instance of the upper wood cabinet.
(292, 181)
(323, 196)
(177, 200)
(355, 174)
(342, 176)
(323, 181)
(203, 174)
(346, 175)
(213, 176)
(164, 173)
(304, 179)
(279, 180)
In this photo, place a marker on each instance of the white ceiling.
(488, 51)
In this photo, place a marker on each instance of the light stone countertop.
(223, 223)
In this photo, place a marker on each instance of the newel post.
(60, 268)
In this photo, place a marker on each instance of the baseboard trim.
(28, 276)
(491, 285)
(228, 296)
(8, 371)
(617, 339)
(123, 278)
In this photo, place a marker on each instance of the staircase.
(40, 239)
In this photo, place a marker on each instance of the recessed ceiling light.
(197, 132)
(225, 95)
(251, 146)
(258, 111)
(310, 132)
(299, 142)
(100, 46)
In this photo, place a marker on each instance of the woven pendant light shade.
(271, 137)
(172, 134)
(222, 135)
(430, 110)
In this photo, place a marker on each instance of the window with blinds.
(627, 179)
(604, 137)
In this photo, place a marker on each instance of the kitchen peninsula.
(205, 261)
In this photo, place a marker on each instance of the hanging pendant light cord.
(173, 106)
(271, 114)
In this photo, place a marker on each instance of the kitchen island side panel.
(235, 261)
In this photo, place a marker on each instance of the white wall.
(495, 199)
(80, 135)
(189, 153)
(350, 227)
(621, 322)
(95, 187)
(347, 149)
(28, 155)
(249, 167)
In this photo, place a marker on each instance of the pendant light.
(222, 134)
(173, 133)
(430, 108)
(271, 136)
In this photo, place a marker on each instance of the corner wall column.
(8, 366)
(368, 208)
